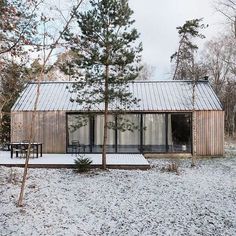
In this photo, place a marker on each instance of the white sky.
(157, 20)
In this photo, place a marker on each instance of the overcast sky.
(157, 20)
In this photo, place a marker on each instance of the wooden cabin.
(163, 118)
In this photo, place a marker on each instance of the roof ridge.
(135, 81)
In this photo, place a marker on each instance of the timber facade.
(164, 120)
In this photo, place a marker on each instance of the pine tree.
(186, 67)
(109, 55)
(184, 58)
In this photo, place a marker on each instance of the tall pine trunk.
(104, 150)
(177, 60)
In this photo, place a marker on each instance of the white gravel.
(198, 201)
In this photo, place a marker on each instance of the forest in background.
(27, 33)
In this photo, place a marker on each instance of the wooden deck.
(114, 161)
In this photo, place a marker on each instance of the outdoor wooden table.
(20, 145)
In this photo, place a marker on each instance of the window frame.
(141, 135)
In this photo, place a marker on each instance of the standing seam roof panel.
(152, 95)
(155, 96)
(174, 97)
(187, 94)
(18, 104)
(46, 97)
(25, 101)
(161, 95)
(199, 103)
(184, 102)
(168, 104)
(31, 98)
(59, 99)
(171, 97)
(67, 95)
(216, 100)
(54, 97)
(201, 91)
(147, 100)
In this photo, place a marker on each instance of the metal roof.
(156, 96)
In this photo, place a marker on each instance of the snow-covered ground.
(198, 201)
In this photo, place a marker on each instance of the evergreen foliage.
(83, 164)
(106, 40)
(186, 67)
(107, 57)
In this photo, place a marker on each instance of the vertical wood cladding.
(49, 128)
(210, 133)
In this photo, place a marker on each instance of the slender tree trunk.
(177, 60)
(194, 116)
(31, 135)
(233, 118)
(235, 27)
(194, 126)
(1, 115)
(105, 119)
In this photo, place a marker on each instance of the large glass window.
(78, 132)
(180, 127)
(135, 133)
(128, 134)
(98, 131)
(154, 133)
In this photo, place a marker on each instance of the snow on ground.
(230, 147)
(198, 201)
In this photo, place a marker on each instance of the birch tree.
(228, 9)
(219, 60)
(39, 79)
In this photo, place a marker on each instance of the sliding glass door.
(154, 135)
(131, 133)
(128, 135)
(78, 128)
(180, 132)
(97, 134)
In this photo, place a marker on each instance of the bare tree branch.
(31, 135)
(23, 30)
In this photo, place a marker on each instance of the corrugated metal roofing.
(155, 96)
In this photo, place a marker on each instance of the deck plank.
(114, 161)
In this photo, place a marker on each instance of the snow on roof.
(157, 96)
